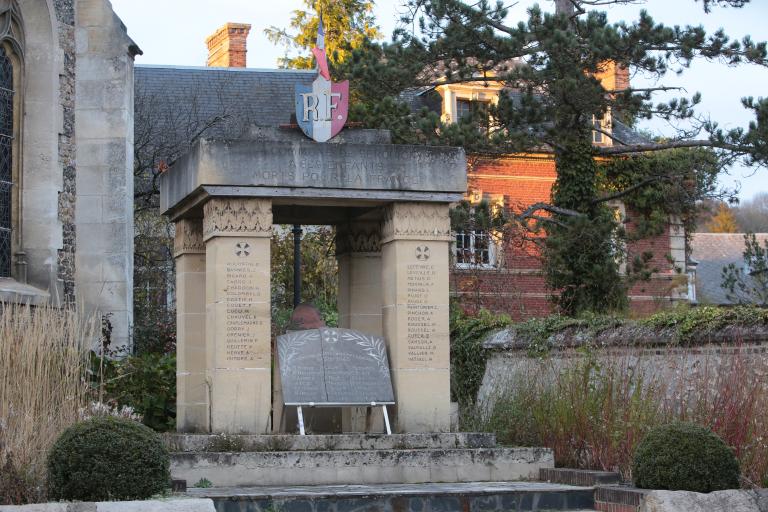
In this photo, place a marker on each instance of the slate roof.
(713, 251)
(263, 97)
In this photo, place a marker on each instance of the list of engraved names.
(422, 314)
(242, 322)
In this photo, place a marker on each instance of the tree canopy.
(550, 65)
(347, 23)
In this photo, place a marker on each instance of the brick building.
(503, 272)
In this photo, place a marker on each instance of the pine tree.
(551, 62)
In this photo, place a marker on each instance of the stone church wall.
(76, 217)
(104, 178)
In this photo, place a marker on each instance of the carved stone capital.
(360, 237)
(416, 221)
(189, 237)
(237, 217)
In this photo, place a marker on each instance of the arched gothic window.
(11, 64)
(7, 136)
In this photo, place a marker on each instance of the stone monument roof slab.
(383, 172)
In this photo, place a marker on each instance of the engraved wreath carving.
(372, 345)
(288, 346)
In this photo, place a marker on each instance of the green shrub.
(684, 457)
(146, 383)
(467, 354)
(107, 458)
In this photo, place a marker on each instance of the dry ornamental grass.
(43, 389)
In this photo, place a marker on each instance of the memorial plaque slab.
(334, 367)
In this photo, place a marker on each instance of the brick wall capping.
(630, 334)
(585, 477)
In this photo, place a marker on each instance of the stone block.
(90, 94)
(102, 124)
(685, 501)
(89, 210)
(423, 400)
(239, 334)
(408, 279)
(191, 348)
(369, 324)
(90, 179)
(117, 267)
(190, 291)
(381, 172)
(422, 335)
(108, 296)
(89, 268)
(241, 400)
(191, 263)
(170, 505)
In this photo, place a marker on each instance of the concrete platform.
(430, 497)
(290, 442)
(290, 468)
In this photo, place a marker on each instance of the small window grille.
(6, 161)
(474, 248)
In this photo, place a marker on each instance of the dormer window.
(602, 126)
(464, 111)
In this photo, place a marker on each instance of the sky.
(174, 32)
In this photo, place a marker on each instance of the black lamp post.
(296, 265)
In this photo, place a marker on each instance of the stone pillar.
(192, 412)
(358, 252)
(415, 271)
(237, 236)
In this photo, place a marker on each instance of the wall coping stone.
(169, 505)
(629, 335)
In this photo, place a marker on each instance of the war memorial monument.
(389, 205)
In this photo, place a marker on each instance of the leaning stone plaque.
(334, 367)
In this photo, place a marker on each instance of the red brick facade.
(515, 284)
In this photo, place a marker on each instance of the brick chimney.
(612, 76)
(227, 46)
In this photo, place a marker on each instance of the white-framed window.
(597, 137)
(475, 249)
(605, 125)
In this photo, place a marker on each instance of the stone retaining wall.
(172, 505)
(662, 358)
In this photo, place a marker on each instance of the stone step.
(427, 497)
(360, 466)
(279, 443)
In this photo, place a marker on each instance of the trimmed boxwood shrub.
(107, 458)
(684, 457)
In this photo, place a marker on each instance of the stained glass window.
(6, 160)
